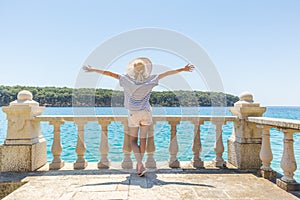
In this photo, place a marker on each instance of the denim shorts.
(139, 118)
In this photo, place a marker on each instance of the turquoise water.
(161, 131)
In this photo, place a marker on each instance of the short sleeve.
(121, 80)
(154, 80)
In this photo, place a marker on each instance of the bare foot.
(141, 170)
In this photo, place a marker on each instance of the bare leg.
(143, 139)
(133, 131)
(139, 150)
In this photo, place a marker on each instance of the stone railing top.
(124, 117)
(276, 122)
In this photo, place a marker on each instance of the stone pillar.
(56, 149)
(197, 146)
(173, 147)
(245, 142)
(80, 163)
(127, 161)
(24, 148)
(266, 155)
(218, 161)
(288, 163)
(104, 163)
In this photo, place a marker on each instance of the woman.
(138, 84)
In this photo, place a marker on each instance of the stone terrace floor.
(162, 183)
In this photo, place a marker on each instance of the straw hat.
(132, 73)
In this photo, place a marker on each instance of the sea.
(161, 133)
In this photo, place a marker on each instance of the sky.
(254, 45)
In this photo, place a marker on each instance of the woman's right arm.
(88, 68)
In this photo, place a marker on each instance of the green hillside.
(63, 96)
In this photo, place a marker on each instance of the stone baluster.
(150, 162)
(104, 163)
(288, 162)
(56, 148)
(173, 148)
(197, 147)
(80, 163)
(265, 154)
(219, 146)
(127, 161)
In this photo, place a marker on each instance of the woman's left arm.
(187, 68)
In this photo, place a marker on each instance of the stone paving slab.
(157, 184)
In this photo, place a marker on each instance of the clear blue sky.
(255, 45)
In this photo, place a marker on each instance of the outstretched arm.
(187, 68)
(88, 68)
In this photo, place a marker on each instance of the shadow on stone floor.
(18, 176)
(148, 181)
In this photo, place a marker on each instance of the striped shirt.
(137, 95)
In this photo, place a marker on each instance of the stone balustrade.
(249, 146)
(288, 162)
(104, 121)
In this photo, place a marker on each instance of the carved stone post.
(288, 163)
(219, 146)
(150, 162)
(24, 148)
(173, 148)
(80, 163)
(127, 161)
(104, 147)
(245, 142)
(56, 148)
(197, 147)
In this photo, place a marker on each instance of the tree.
(63, 96)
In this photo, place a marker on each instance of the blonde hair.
(139, 69)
